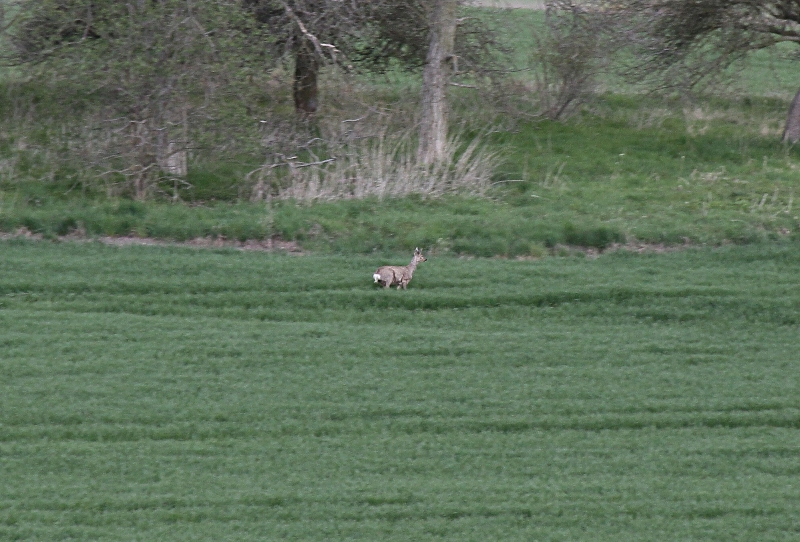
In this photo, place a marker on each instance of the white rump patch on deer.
(376, 276)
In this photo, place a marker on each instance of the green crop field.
(533, 383)
(178, 394)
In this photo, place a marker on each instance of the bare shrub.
(352, 165)
(569, 54)
(140, 157)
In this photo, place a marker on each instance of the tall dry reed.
(382, 166)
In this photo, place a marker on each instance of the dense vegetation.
(626, 167)
(179, 394)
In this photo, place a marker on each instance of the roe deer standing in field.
(389, 275)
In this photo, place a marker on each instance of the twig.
(310, 141)
(509, 181)
(311, 37)
(319, 163)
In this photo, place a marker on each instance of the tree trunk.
(435, 77)
(172, 145)
(306, 68)
(791, 133)
(142, 157)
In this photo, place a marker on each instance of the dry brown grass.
(370, 158)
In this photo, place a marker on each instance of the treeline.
(125, 97)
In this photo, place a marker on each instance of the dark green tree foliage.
(156, 74)
(154, 70)
(44, 28)
(399, 32)
(361, 33)
(368, 35)
(684, 42)
(390, 30)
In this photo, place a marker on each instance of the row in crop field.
(179, 394)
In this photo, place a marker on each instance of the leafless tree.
(571, 49)
(439, 65)
(684, 42)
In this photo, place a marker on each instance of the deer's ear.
(417, 250)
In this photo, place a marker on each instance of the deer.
(389, 275)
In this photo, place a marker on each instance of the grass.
(178, 394)
(629, 167)
(664, 176)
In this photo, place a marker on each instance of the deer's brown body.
(400, 275)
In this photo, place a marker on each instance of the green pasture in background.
(178, 394)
